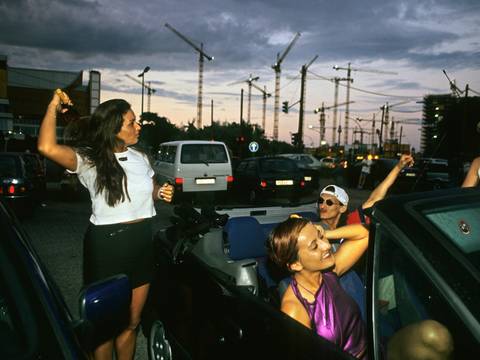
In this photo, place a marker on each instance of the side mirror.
(104, 310)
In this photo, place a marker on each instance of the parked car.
(406, 181)
(35, 322)
(434, 174)
(305, 161)
(222, 302)
(194, 166)
(21, 185)
(310, 166)
(328, 162)
(259, 177)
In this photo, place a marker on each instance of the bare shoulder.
(294, 308)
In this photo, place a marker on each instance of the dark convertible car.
(219, 300)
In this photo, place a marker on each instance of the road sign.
(253, 146)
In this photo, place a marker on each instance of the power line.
(367, 91)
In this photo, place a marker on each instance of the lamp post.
(142, 75)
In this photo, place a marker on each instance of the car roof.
(195, 142)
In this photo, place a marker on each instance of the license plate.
(410, 174)
(205, 181)
(307, 178)
(283, 182)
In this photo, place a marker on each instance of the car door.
(407, 289)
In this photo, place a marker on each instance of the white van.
(194, 165)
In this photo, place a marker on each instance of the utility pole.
(349, 81)
(303, 72)
(276, 67)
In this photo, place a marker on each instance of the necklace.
(303, 287)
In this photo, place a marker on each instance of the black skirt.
(119, 249)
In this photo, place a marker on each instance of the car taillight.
(263, 184)
(178, 181)
(11, 189)
(229, 179)
(302, 183)
(1, 190)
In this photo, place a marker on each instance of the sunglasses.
(328, 202)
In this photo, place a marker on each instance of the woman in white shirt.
(122, 189)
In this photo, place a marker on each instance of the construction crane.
(321, 110)
(277, 68)
(201, 57)
(249, 81)
(148, 87)
(385, 120)
(349, 81)
(265, 95)
(303, 72)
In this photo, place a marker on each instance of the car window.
(9, 167)
(167, 153)
(241, 166)
(406, 295)
(203, 153)
(251, 167)
(277, 165)
(462, 227)
(305, 160)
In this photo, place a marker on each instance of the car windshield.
(9, 167)
(277, 165)
(305, 159)
(203, 153)
(461, 225)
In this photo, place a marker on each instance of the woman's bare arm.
(47, 138)
(471, 179)
(352, 248)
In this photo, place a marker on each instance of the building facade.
(25, 94)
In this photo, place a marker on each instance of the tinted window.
(203, 153)
(462, 227)
(305, 159)
(406, 296)
(9, 166)
(277, 165)
(167, 153)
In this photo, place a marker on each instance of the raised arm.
(381, 190)
(352, 248)
(47, 138)
(471, 179)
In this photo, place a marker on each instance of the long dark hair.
(95, 139)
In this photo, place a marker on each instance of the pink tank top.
(335, 316)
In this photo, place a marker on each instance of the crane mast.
(147, 86)
(277, 68)
(265, 95)
(202, 56)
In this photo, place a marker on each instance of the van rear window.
(203, 153)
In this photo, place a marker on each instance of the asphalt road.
(56, 231)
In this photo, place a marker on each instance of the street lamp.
(142, 75)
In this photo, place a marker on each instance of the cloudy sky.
(415, 39)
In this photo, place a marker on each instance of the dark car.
(406, 181)
(20, 183)
(259, 177)
(423, 263)
(433, 174)
(35, 322)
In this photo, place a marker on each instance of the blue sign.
(253, 146)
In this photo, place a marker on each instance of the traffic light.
(285, 107)
(295, 139)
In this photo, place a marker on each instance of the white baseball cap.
(336, 191)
